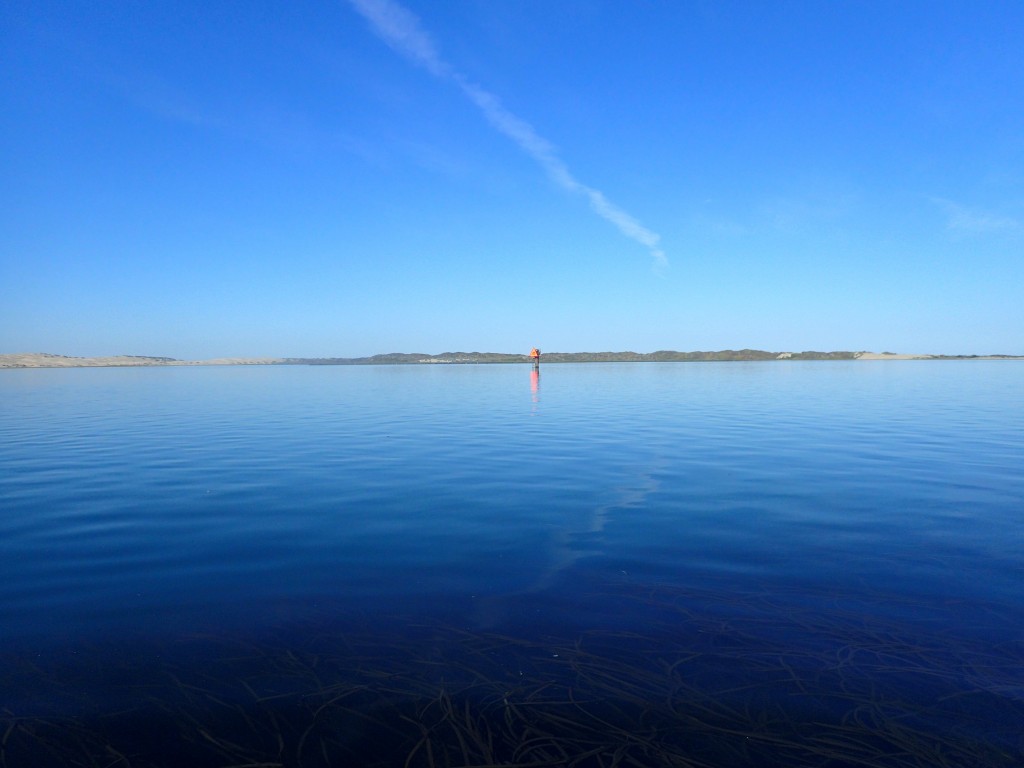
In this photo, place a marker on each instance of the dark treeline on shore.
(47, 360)
(403, 358)
(663, 356)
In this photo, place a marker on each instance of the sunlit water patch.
(690, 564)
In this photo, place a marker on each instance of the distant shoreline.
(47, 360)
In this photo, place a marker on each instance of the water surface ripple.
(830, 551)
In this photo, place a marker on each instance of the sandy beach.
(890, 356)
(45, 360)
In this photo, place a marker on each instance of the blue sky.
(347, 178)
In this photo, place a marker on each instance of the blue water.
(831, 552)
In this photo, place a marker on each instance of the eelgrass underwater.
(806, 566)
(708, 679)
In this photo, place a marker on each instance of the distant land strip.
(46, 360)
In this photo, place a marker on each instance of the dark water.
(697, 564)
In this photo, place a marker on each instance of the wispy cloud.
(972, 220)
(401, 30)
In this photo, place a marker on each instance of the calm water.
(694, 564)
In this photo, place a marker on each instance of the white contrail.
(400, 29)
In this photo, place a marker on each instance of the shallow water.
(810, 563)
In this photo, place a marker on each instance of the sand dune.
(45, 360)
